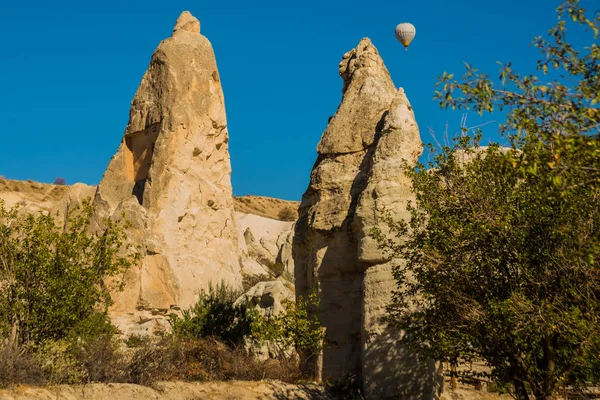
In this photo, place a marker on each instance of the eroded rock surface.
(265, 245)
(358, 176)
(268, 298)
(171, 178)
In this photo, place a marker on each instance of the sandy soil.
(237, 390)
(169, 391)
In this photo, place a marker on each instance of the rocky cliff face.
(357, 177)
(171, 178)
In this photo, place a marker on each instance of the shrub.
(53, 278)
(19, 366)
(103, 359)
(206, 359)
(276, 268)
(215, 314)
(347, 388)
(133, 341)
(296, 328)
(59, 366)
(97, 350)
(249, 281)
(60, 181)
(287, 214)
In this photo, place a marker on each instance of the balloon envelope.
(405, 33)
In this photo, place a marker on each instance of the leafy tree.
(52, 279)
(501, 252)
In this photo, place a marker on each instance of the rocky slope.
(32, 196)
(267, 207)
(356, 178)
(39, 196)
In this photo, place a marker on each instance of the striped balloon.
(405, 33)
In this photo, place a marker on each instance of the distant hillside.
(43, 196)
(265, 206)
(37, 196)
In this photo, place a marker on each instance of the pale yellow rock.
(368, 90)
(74, 197)
(284, 243)
(324, 249)
(357, 178)
(263, 242)
(174, 163)
(267, 297)
(388, 189)
(187, 22)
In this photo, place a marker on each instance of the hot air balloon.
(405, 33)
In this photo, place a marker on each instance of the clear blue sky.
(70, 69)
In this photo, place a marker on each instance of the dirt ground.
(234, 390)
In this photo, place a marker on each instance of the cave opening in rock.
(140, 146)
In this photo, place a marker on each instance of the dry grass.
(18, 366)
(141, 361)
(267, 207)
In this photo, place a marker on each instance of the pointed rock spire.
(368, 91)
(172, 176)
(357, 177)
(187, 22)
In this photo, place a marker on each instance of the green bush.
(501, 248)
(215, 314)
(276, 268)
(52, 277)
(297, 328)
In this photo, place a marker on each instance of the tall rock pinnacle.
(171, 178)
(357, 177)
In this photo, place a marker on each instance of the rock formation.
(264, 244)
(268, 298)
(357, 177)
(171, 178)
